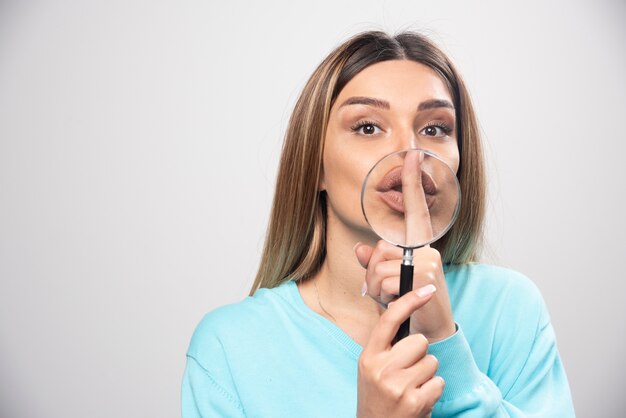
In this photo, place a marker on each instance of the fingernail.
(429, 289)
(364, 289)
(421, 157)
(356, 245)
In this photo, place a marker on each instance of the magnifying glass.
(410, 198)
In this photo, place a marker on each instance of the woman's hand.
(382, 283)
(398, 381)
(382, 278)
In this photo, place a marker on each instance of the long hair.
(295, 244)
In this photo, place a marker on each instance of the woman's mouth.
(390, 189)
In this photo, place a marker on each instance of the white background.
(138, 148)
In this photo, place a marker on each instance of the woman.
(316, 339)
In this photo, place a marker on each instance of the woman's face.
(389, 106)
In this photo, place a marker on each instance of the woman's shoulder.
(250, 308)
(241, 322)
(482, 291)
(500, 299)
(491, 279)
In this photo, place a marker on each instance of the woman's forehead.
(398, 82)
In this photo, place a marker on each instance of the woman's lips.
(390, 189)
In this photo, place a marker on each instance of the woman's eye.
(367, 129)
(436, 131)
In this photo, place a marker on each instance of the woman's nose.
(407, 138)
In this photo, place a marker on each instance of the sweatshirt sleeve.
(202, 396)
(524, 378)
(208, 389)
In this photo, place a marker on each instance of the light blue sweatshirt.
(271, 356)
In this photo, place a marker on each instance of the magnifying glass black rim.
(452, 219)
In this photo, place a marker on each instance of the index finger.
(417, 222)
(386, 329)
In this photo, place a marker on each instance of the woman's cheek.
(450, 154)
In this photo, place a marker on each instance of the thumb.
(363, 253)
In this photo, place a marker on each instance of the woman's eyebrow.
(383, 104)
(435, 103)
(369, 101)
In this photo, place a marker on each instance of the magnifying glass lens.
(410, 198)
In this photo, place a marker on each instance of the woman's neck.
(335, 290)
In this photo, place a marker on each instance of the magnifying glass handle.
(406, 285)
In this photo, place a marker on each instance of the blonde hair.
(295, 245)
